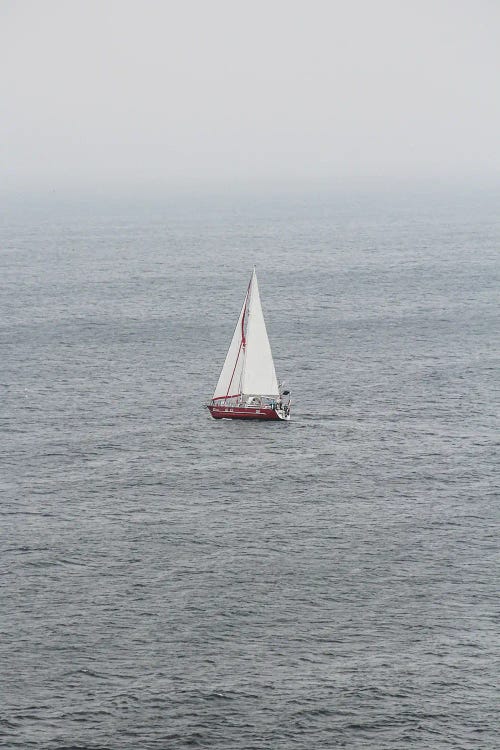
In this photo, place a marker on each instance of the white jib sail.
(259, 375)
(230, 378)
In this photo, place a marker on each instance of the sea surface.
(170, 581)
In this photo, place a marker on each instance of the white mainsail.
(258, 376)
(229, 381)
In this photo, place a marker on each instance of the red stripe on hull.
(248, 412)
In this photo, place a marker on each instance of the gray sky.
(200, 91)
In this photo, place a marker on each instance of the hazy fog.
(193, 92)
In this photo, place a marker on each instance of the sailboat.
(247, 387)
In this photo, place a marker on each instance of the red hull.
(243, 412)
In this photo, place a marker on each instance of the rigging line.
(247, 300)
(234, 368)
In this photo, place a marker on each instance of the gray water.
(171, 581)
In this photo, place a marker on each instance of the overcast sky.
(201, 91)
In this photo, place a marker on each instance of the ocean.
(172, 581)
